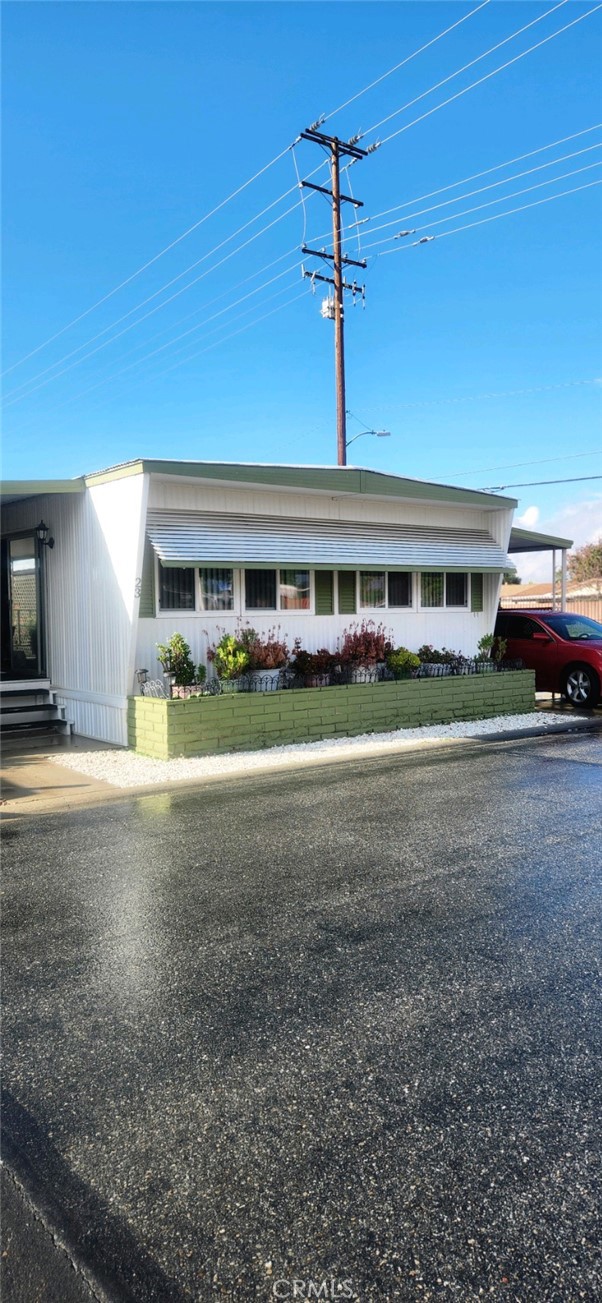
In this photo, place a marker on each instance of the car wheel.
(582, 686)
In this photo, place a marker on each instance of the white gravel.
(126, 769)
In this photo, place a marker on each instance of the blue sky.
(125, 124)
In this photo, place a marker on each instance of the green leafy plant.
(402, 662)
(230, 657)
(176, 660)
(428, 654)
(490, 648)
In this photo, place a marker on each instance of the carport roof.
(526, 540)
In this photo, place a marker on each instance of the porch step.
(27, 709)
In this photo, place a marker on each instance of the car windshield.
(575, 628)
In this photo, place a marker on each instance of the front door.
(21, 608)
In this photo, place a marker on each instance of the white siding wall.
(459, 630)
(178, 495)
(91, 597)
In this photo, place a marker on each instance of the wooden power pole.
(338, 149)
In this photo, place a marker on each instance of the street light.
(378, 434)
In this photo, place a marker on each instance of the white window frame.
(278, 610)
(379, 610)
(444, 607)
(163, 612)
(201, 610)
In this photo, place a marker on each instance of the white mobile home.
(148, 548)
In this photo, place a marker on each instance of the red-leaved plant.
(269, 653)
(365, 644)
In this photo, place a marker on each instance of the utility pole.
(337, 149)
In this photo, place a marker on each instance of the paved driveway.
(336, 1026)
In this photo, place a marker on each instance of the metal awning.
(183, 538)
(527, 540)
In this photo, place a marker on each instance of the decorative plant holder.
(264, 680)
(317, 681)
(364, 674)
(240, 684)
(432, 670)
(486, 667)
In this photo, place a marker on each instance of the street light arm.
(380, 434)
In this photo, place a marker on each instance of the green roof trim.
(324, 479)
(526, 540)
(16, 490)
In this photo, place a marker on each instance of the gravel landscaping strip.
(126, 769)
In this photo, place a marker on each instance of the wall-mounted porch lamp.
(42, 532)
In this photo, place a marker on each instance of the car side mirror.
(540, 636)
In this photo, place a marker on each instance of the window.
(432, 588)
(439, 589)
(400, 589)
(260, 590)
(270, 590)
(294, 590)
(217, 590)
(379, 589)
(176, 588)
(456, 590)
(372, 588)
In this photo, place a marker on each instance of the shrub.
(310, 664)
(364, 645)
(230, 657)
(491, 648)
(176, 659)
(402, 662)
(269, 653)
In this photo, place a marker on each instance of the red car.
(564, 649)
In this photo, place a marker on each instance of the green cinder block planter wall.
(247, 721)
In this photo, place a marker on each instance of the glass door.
(21, 626)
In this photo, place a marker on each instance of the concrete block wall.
(249, 721)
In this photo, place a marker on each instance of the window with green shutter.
(324, 587)
(347, 592)
(476, 592)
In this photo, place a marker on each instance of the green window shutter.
(147, 586)
(347, 592)
(476, 592)
(324, 583)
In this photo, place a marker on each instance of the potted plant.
(402, 663)
(434, 663)
(314, 668)
(268, 656)
(365, 646)
(490, 651)
(176, 661)
(230, 660)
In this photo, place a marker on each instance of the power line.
(182, 361)
(542, 461)
(494, 218)
(493, 73)
(15, 397)
(152, 260)
(476, 176)
(27, 383)
(533, 484)
(466, 66)
(577, 153)
(325, 117)
(505, 393)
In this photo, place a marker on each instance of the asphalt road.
(331, 1026)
